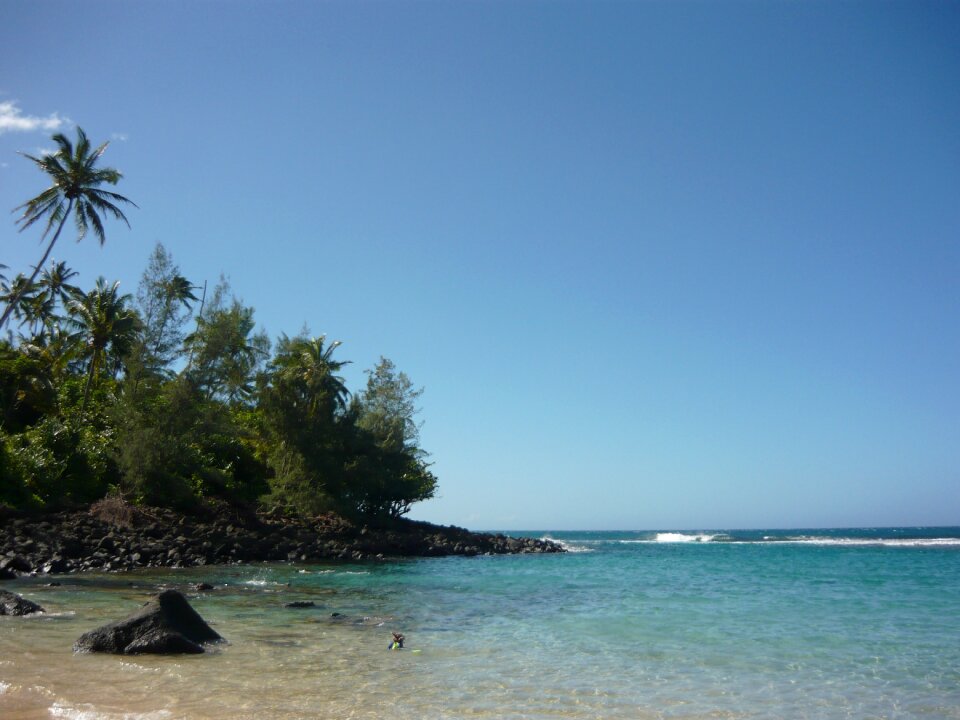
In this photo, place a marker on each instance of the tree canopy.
(105, 393)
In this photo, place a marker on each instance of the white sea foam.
(675, 537)
(569, 546)
(4, 686)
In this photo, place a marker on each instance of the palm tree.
(76, 189)
(107, 329)
(16, 294)
(309, 365)
(55, 282)
(54, 287)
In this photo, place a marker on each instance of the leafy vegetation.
(173, 398)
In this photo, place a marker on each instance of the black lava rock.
(13, 604)
(165, 625)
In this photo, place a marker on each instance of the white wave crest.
(569, 546)
(675, 537)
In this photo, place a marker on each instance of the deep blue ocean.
(848, 623)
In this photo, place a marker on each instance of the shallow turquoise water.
(805, 624)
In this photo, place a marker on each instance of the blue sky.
(657, 264)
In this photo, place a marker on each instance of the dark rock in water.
(203, 587)
(162, 642)
(7, 574)
(13, 604)
(165, 625)
(300, 604)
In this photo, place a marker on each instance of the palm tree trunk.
(36, 270)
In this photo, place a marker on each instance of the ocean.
(852, 623)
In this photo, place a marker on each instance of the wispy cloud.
(120, 137)
(12, 119)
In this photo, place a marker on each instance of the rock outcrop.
(13, 604)
(165, 625)
(72, 542)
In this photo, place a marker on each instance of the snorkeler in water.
(397, 643)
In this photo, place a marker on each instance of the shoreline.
(120, 537)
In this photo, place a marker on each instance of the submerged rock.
(13, 604)
(165, 625)
(300, 604)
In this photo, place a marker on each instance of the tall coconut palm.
(76, 189)
(106, 330)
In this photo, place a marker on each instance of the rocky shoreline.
(119, 537)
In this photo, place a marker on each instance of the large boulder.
(13, 604)
(166, 625)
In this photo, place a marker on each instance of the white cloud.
(121, 137)
(12, 119)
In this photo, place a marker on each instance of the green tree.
(27, 391)
(56, 287)
(389, 407)
(20, 295)
(387, 470)
(225, 352)
(75, 188)
(106, 330)
(164, 299)
(62, 462)
(304, 405)
(37, 306)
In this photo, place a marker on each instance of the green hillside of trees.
(171, 397)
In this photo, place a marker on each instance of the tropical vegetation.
(172, 397)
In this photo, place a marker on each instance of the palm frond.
(94, 156)
(96, 202)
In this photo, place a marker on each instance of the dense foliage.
(172, 398)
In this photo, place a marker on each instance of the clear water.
(760, 624)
